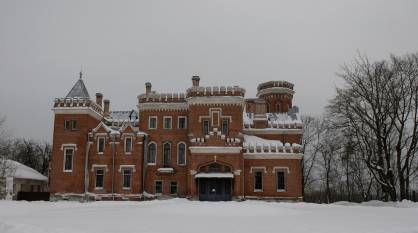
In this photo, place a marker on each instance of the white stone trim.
(171, 122)
(215, 149)
(237, 172)
(271, 131)
(73, 145)
(133, 167)
(273, 156)
(185, 122)
(94, 166)
(275, 90)
(158, 106)
(216, 100)
(258, 168)
(149, 122)
(77, 110)
(156, 152)
(275, 169)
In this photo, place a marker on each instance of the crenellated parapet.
(198, 91)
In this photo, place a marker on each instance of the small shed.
(18, 178)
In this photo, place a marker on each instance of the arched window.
(152, 153)
(181, 153)
(167, 154)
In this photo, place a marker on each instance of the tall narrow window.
(280, 181)
(100, 145)
(158, 187)
(167, 154)
(167, 122)
(73, 124)
(181, 154)
(206, 127)
(173, 187)
(258, 181)
(152, 153)
(127, 178)
(67, 124)
(152, 124)
(182, 124)
(225, 127)
(99, 178)
(128, 145)
(68, 159)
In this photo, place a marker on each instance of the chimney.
(195, 80)
(99, 99)
(148, 87)
(106, 107)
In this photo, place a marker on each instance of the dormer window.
(100, 145)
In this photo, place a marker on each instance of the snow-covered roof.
(250, 140)
(78, 90)
(18, 170)
(289, 119)
(123, 116)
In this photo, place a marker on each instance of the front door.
(214, 189)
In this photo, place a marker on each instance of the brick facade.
(208, 144)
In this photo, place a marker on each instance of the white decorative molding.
(215, 149)
(273, 156)
(193, 172)
(214, 100)
(73, 145)
(258, 168)
(94, 166)
(271, 131)
(281, 168)
(158, 106)
(165, 170)
(275, 90)
(133, 167)
(77, 110)
(237, 172)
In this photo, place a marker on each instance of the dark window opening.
(127, 178)
(258, 181)
(152, 153)
(182, 154)
(67, 125)
(225, 127)
(99, 178)
(167, 154)
(73, 125)
(206, 127)
(167, 123)
(280, 181)
(101, 145)
(173, 188)
(128, 145)
(68, 159)
(158, 187)
(182, 123)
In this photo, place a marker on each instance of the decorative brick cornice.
(157, 106)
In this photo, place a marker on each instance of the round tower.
(277, 94)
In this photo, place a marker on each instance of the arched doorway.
(215, 182)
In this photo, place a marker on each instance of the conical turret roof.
(78, 90)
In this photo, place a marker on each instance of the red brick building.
(209, 143)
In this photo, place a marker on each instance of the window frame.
(204, 128)
(98, 144)
(130, 178)
(95, 181)
(178, 154)
(67, 127)
(169, 164)
(171, 122)
(155, 187)
(149, 122)
(227, 126)
(185, 122)
(65, 159)
(277, 181)
(176, 187)
(255, 180)
(156, 153)
(74, 125)
(131, 146)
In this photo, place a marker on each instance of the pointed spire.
(79, 89)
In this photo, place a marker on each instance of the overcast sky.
(123, 44)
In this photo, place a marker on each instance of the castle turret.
(277, 94)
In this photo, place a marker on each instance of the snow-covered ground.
(183, 216)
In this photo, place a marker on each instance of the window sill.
(281, 190)
(98, 188)
(126, 188)
(152, 128)
(128, 153)
(181, 165)
(100, 153)
(151, 164)
(258, 190)
(67, 171)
